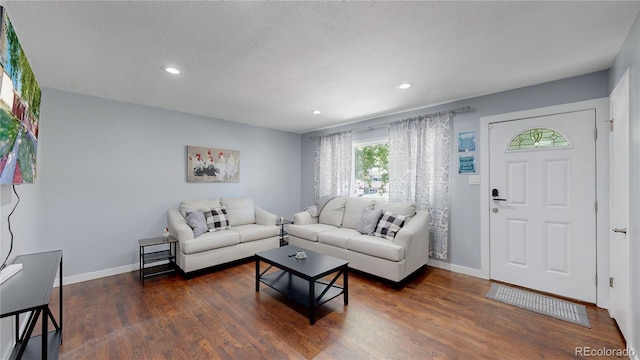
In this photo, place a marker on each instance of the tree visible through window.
(371, 170)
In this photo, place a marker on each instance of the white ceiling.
(271, 63)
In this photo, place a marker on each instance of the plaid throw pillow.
(389, 225)
(216, 219)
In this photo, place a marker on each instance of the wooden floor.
(437, 315)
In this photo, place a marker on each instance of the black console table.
(30, 291)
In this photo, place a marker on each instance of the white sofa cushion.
(253, 232)
(310, 231)
(337, 237)
(333, 212)
(370, 245)
(210, 241)
(241, 211)
(193, 205)
(353, 211)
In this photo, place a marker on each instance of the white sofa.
(334, 233)
(252, 229)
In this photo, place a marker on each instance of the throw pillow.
(389, 225)
(197, 222)
(216, 219)
(368, 221)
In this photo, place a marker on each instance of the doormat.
(546, 305)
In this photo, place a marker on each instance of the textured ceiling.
(271, 63)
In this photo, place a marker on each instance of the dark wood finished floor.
(437, 315)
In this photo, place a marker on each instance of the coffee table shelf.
(303, 280)
(297, 289)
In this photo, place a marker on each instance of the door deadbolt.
(496, 195)
(495, 210)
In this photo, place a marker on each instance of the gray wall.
(108, 171)
(464, 244)
(629, 58)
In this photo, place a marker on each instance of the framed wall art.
(205, 165)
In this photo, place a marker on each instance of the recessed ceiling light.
(172, 70)
(316, 112)
(404, 86)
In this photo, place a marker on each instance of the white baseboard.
(97, 274)
(457, 268)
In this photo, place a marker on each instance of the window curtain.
(333, 165)
(419, 158)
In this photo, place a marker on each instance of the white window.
(371, 169)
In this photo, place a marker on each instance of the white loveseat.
(251, 229)
(333, 232)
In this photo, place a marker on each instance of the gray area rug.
(546, 305)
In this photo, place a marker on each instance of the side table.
(282, 222)
(167, 254)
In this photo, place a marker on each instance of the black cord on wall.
(4, 263)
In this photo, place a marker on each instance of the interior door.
(543, 218)
(619, 212)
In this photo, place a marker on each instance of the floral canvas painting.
(212, 165)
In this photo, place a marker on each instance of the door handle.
(496, 195)
(624, 231)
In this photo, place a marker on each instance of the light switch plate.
(474, 179)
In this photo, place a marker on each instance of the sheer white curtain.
(419, 158)
(333, 165)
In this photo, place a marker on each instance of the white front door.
(619, 207)
(542, 176)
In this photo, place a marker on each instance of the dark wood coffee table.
(301, 280)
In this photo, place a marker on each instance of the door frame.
(622, 89)
(601, 107)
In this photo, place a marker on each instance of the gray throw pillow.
(197, 222)
(369, 220)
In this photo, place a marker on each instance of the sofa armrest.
(414, 238)
(178, 226)
(263, 217)
(304, 218)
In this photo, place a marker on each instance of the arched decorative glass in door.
(538, 138)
